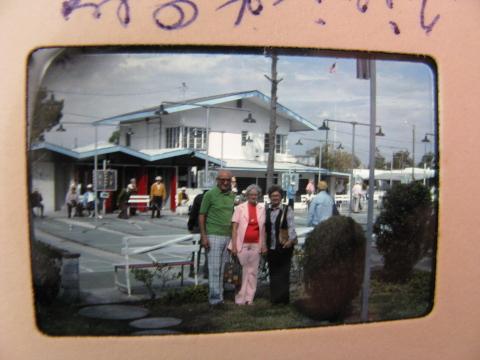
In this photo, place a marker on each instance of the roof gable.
(298, 123)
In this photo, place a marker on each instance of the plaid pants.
(217, 256)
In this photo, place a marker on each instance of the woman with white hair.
(248, 242)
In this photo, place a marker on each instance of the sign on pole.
(106, 180)
(288, 178)
(211, 179)
(104, 195)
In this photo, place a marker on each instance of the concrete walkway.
(99, 243)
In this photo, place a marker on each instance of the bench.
(140, 202)
(173, 244)
(342, 200)
(137, 200)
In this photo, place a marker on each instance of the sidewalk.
(99, 243)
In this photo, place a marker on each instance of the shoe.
(218, 306)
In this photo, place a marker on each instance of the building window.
(186, 137)
(244, 137)
(128, 139)
(280, 144)
(173, 135)
(197, 138)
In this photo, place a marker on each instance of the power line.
(68, 92)
(81, 115)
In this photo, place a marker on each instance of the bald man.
(215, 221)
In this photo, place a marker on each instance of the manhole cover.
(155, 323)
(114, 312)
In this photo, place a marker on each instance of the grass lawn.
(387, 302)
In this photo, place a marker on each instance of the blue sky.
(103, 85)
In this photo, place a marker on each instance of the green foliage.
(405, 229)
(427, 159)
(188, 295)
(146, 277)
(333, 266)
(46, 266)
(160, 271)
(114, 137)
(334, 159)
(399, 301)
(402, 159)
(47, 113)
(380, 162)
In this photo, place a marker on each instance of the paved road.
(99, 242)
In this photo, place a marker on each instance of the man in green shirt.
(215, 221)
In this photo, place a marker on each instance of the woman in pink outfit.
(248, 242)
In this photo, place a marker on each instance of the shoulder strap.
(284, 212)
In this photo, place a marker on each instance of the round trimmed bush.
(405, 229)
(333, 267)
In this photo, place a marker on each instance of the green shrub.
(188, 295)
(333, 263)
(405, 229)
(164, 273)
(46, 267)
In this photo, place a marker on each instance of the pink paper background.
(451, 331)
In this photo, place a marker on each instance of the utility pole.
(272, 135)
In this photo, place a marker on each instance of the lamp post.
(425, 140)
(354, 124)
(95, 125)
(299, 143)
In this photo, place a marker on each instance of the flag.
(363, 69)
(333, 68)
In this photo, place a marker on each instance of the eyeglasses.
(224, 180)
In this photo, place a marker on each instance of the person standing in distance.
(216, 230)
(321, 207)
(158, 193)
(291, 192)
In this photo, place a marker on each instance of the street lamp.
(425, 140)
(300, 143)
(354, 124)
(249, 119)
(95, 125)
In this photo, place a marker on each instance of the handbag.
(233, 271)
(283, 234)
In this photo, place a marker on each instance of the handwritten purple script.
(187, 11)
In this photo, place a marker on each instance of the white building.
(176, 140)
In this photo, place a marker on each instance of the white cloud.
(90, 84)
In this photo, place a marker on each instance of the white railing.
(159, 243)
